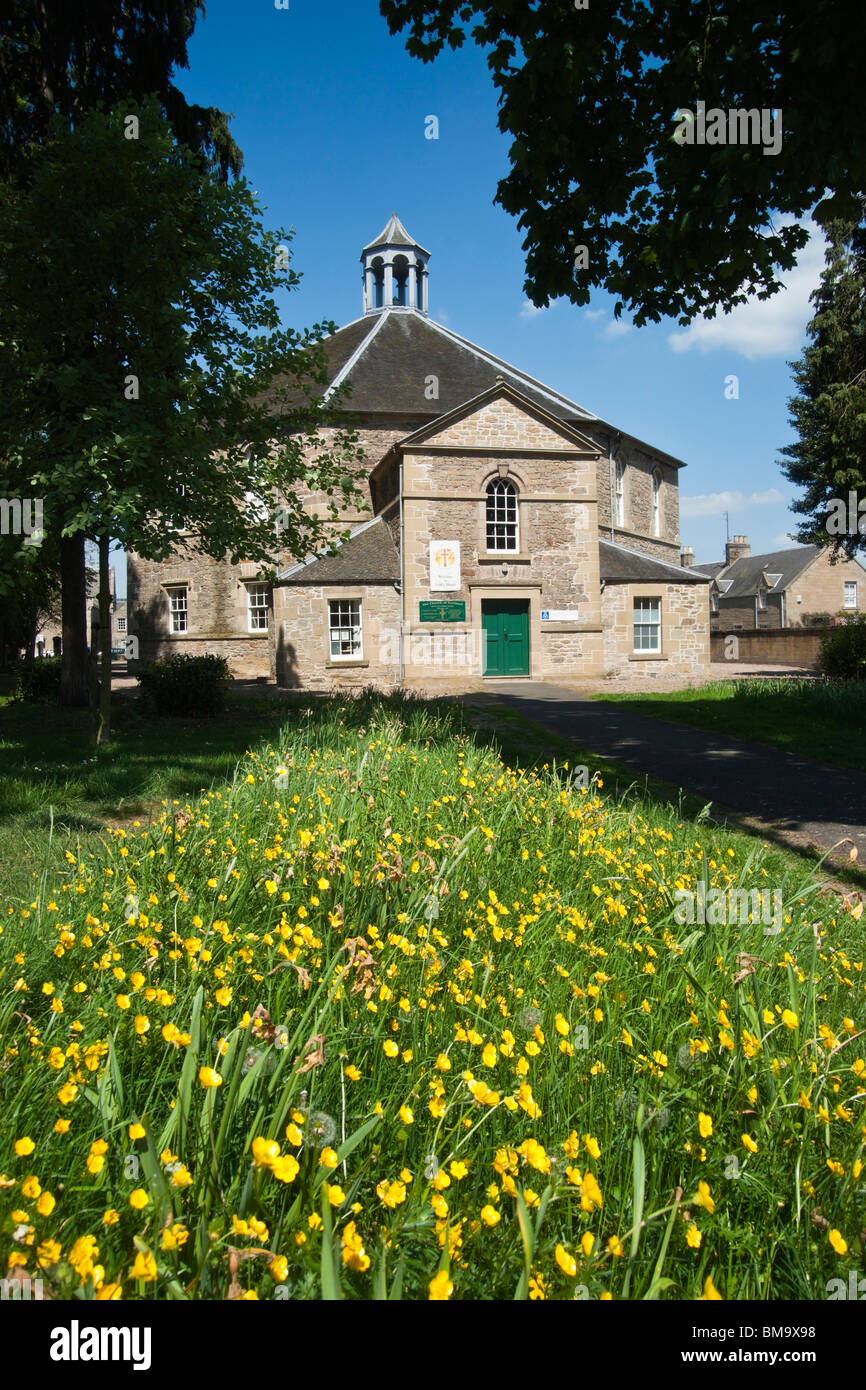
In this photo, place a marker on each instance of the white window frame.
(850, 589)
(256, 609)
(714, 604)
(346, 610)
(642, 606)
(762, 600)
(657, 502)
(178, 607)
(619, 492)
(503, 499)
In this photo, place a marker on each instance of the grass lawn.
(387, 1010)
(817, 720)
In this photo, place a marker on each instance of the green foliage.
(589, 99)
(39, 679)
(829, 410)
(165, 399)
(55, 57)
(843, 653)
(186, 685)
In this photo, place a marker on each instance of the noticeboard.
(452, 611)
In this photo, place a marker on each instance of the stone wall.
(822, 588)
(685, 637)
(300, 650)
(217, 613)
(740, 613)
(636, 531)
(556, 566)
(790, 646)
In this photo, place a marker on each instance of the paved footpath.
(795, 799)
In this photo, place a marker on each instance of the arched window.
(503, 532)
(401, 282)
(619, 498)
(657, 511)
(378, 268)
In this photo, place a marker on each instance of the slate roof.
(400, 349)
(369, 556)
(742, 578)
(618, 565)
(387, 357)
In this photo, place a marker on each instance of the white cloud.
(530, 310)
(714, 503)
(595, 313)
(616, 328)
(773, 327)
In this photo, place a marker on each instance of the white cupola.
(395, 271)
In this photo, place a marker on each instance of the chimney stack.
(687, 556)
(737, 549)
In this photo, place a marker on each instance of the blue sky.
(329, 111)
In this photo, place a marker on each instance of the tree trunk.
(100, 681)
(73, 671)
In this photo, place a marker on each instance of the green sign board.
(445, 612)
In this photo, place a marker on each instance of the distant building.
(785, 588)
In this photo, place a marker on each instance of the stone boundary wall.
(787, 646)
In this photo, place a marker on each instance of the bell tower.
(395, 271)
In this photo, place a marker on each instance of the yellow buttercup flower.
(704, 1199)
(285, 1168)
(265, 1152)
(144, 1267)
(567, 1263)
(441, 1287)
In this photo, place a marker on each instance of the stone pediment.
(501, 419)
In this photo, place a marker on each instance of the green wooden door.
(505, 621)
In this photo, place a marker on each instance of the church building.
(509, 533)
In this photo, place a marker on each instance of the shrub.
(843, 649)
(39, 679)
(186, 685)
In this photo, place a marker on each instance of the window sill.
(507, 557)
(648, 656)
(344, 665)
